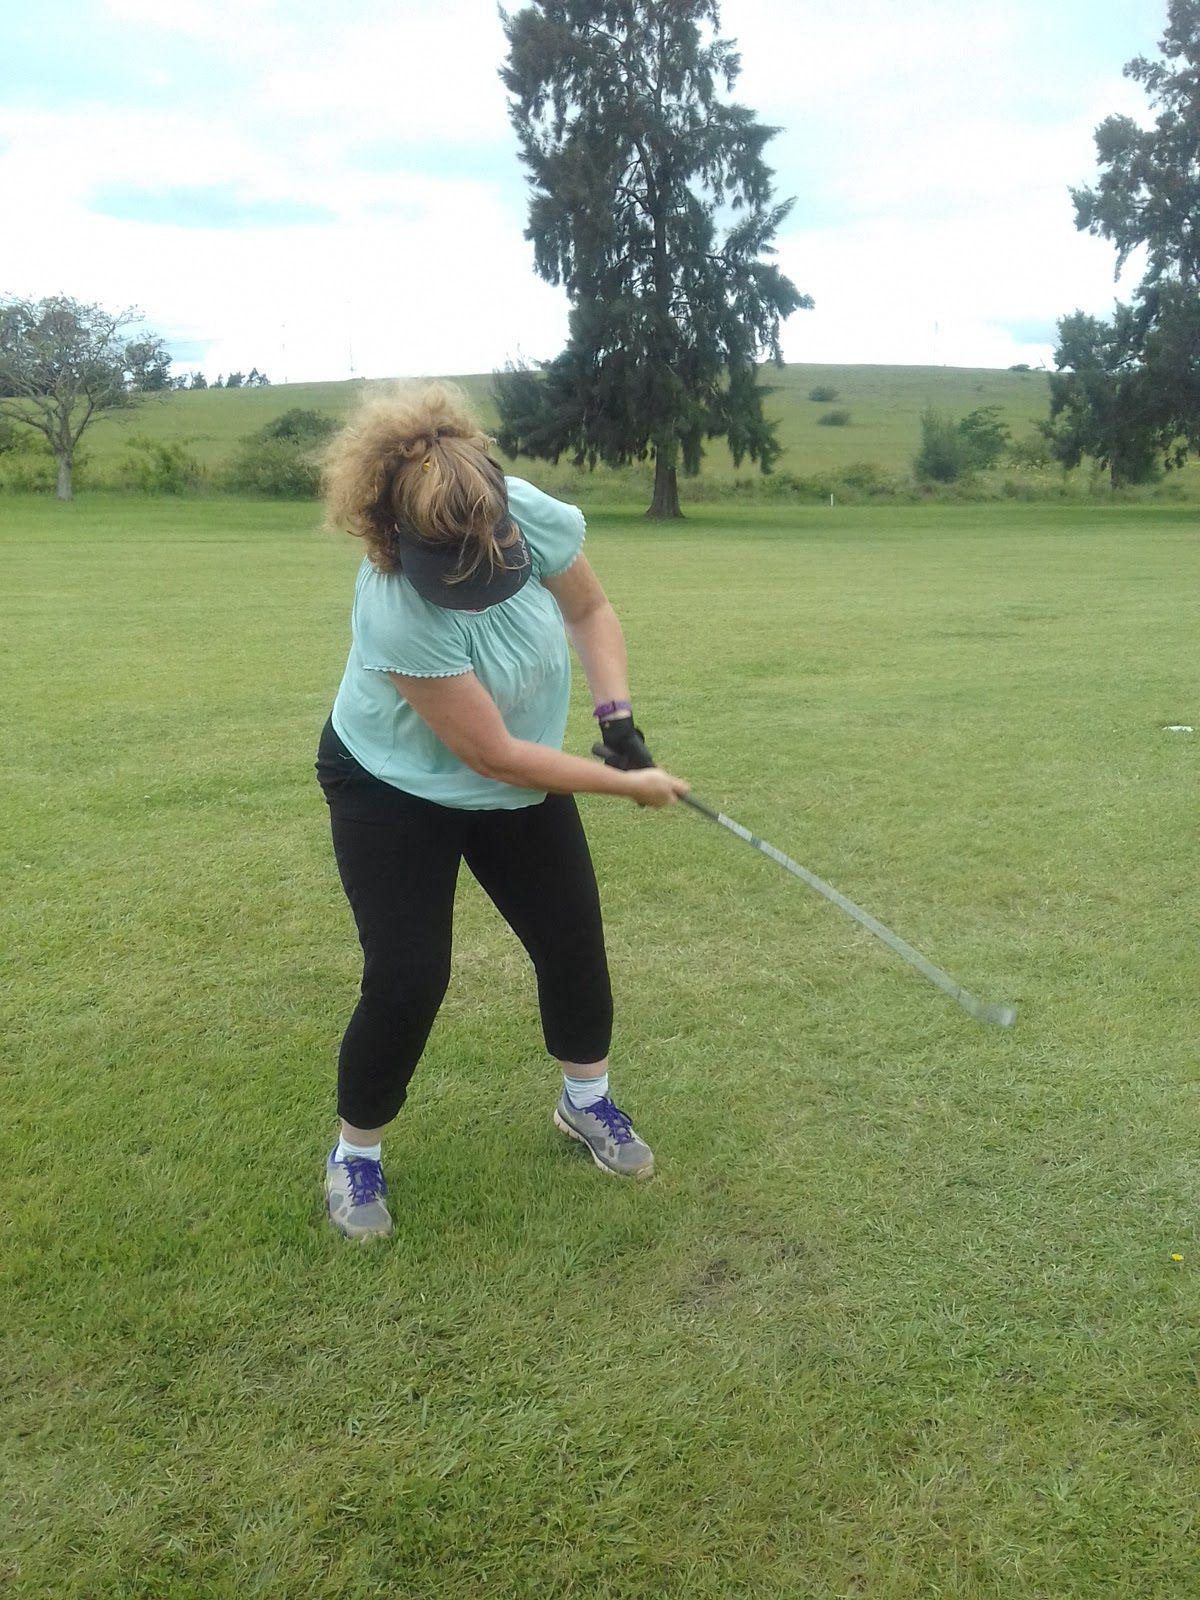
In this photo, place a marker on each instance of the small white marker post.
(831, 499)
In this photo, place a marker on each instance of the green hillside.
(884, 405)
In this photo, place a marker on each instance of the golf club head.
(1002, 1015)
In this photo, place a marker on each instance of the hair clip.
(426, 464)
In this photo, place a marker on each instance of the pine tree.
(653, 207)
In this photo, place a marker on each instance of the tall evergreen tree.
(653, 207)
(1129, 391)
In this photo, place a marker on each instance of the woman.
(445, 743)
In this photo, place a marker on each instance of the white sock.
(357, 1152)
(584, 1092)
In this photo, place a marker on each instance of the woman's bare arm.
(594, 629)
(466, 719)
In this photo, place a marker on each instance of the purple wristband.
(612, 708)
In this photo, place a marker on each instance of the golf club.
(1002, 1015)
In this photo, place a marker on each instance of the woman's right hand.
(651, 786)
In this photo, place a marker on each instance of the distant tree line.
(254, 379)
(149, 363)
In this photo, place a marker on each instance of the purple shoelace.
(367, 1181)
(617, 1125)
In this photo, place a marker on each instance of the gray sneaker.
(607, 1132)
(354, 1192)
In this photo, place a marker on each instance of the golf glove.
(623, 746)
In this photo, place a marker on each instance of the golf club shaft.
(1002, 1015)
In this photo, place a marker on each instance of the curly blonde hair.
(415, 458)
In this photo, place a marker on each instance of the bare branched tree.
(62, 362)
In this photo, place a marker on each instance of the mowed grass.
(885, 404)
(899, 1314)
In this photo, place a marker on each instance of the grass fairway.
(898, 1317)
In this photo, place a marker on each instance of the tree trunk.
(665, 504)
(64, 478)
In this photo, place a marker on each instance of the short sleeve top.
(517, 650)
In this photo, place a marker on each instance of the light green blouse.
(517, 650)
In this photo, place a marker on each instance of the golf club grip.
(698, 805)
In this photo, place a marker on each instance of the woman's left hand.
(623, 745)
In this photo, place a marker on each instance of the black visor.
(432, 567)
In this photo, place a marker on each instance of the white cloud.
(54, 157)
(419, 273)
(932, 142)
(943, 138)
(418, 69)
(201, 19)
(941, 257)
(852, 57)
(427, 73)
(970, 291)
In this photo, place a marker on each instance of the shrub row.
(281, 461)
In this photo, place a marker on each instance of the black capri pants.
(398, 858)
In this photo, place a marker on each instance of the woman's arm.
(467, 721)
(594, 629)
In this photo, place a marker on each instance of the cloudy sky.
(318, 188)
